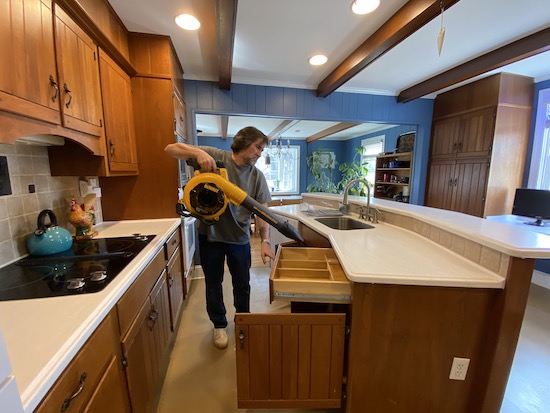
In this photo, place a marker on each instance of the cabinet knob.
(241, 338)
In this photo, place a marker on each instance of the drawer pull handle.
(241, 339)
(68, 401)
(174, 242)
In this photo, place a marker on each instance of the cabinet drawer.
(84, 371)
(308, 274)
(173, 242)
(132, 300)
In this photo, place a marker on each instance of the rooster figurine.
(81, 220)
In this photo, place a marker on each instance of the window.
(372, 147)
(539, 176)
(283, 172)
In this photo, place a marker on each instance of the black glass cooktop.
(89, 266)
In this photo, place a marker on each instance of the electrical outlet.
(459, 368)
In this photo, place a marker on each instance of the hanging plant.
(321, 164)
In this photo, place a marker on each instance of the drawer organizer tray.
(310, 275)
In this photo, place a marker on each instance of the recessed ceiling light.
(364, 6)
(317, 60)
(187, 22)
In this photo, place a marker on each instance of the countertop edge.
(33, 394)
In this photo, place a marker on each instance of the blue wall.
(206, 97)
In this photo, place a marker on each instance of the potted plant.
(353, 170)
(321, 164)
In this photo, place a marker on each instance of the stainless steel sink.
(343, 223)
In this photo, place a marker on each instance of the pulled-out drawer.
(308, 274)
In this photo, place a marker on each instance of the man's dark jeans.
(212, 256)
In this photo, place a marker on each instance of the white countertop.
(43, 335)
(513, 240)
(392, 255)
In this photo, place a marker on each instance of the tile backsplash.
(29, 165)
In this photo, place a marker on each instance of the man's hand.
(266, 252)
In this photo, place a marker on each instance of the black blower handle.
(272, 219)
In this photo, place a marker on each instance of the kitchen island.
(428, 286)
(43, 335)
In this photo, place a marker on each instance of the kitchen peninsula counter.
(43, 335)
(428, 286)
(414, 252)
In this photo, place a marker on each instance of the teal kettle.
(49, 238)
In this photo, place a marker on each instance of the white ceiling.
(274, 39)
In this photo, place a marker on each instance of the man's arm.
(180, 150)
(263, 229)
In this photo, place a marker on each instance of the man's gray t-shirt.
(234, 224)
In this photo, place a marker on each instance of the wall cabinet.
(479, 141)
(155, 95)
(77, 64)
(120, 135)
(393, 176)
(28, 74)
(93, 382)
(180, 122)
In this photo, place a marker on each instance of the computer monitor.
(533, 203)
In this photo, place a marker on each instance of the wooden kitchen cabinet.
(28, 74)
(296, 360)
(154, 192)
(78, 67)
(180, 128)
(479, 138)
(94, 379)
(174, 276)
(289, 360)
(146, 311)
(120, 134)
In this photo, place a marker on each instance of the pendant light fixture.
(441, 34)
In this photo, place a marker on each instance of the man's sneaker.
(220, 338)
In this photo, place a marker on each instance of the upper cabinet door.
(28, 77)
(179, 117)
(119, 117)
(77, 62)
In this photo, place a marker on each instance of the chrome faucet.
(345, 204)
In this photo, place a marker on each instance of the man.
(230, 236)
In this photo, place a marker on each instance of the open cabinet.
(296, 360)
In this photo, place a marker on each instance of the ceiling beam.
(281, 128)
(407, 20)
(226, 18)
(523, 48)
(224, 121)
(330, 131)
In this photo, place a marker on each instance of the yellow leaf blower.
(207, 195)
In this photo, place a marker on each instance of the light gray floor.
(201, 378)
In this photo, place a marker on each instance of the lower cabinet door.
(139, 351)
(110, 395)
(289, 360)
